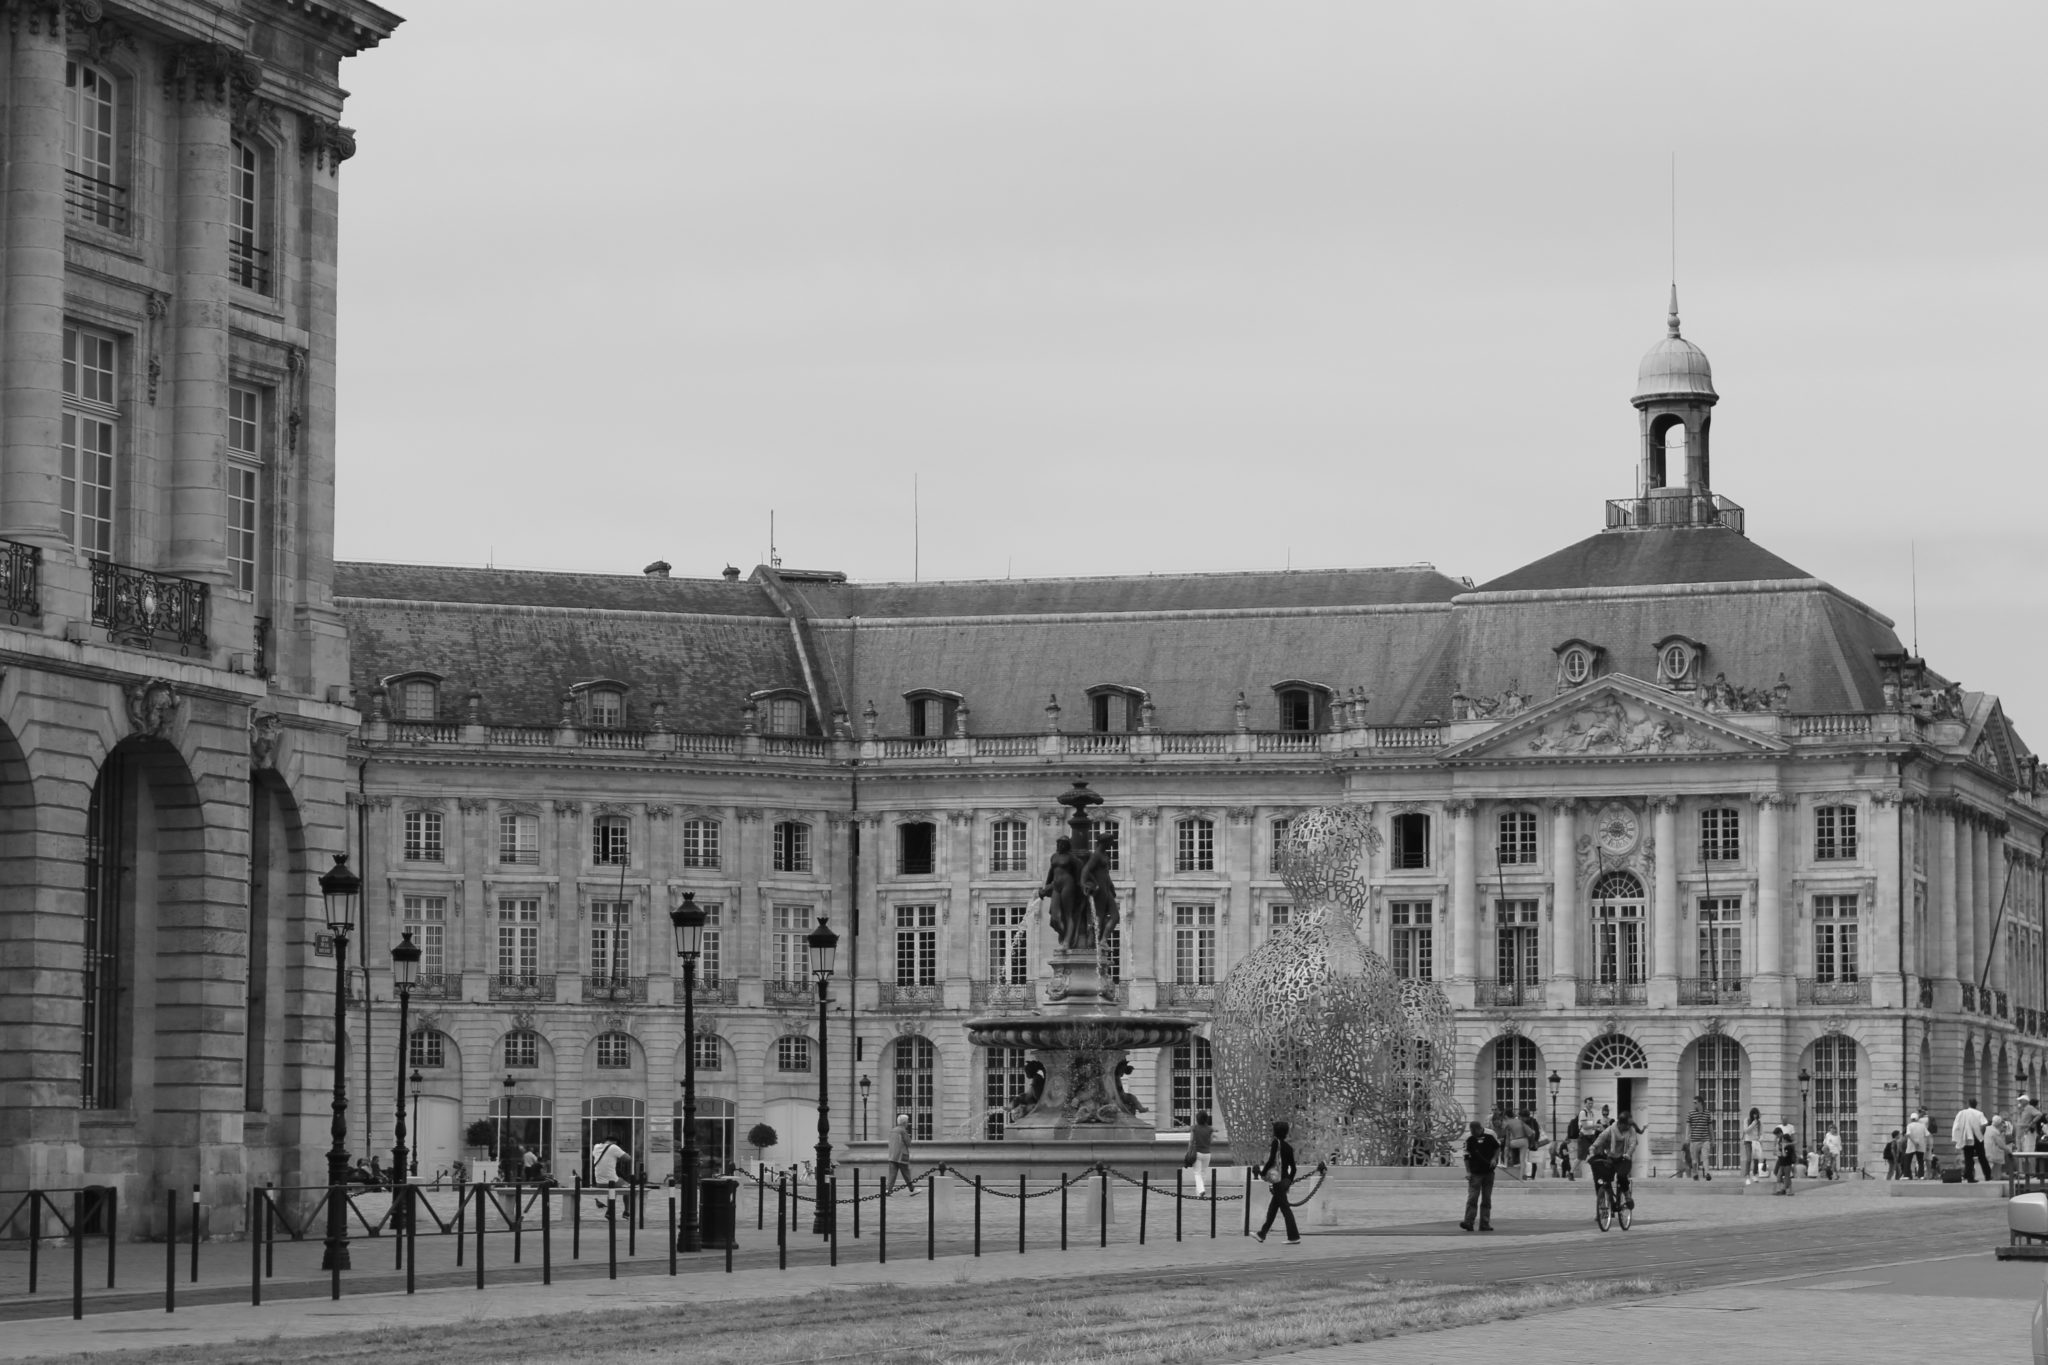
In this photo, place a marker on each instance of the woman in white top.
(1919, 1143)
(1753, 1146)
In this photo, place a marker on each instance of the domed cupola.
(1675, 394)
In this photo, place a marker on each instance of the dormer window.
(1113, 709)
(603, 702)
(1303, 705)
(414, 696)
(1577, 662)
(932, 712)
(1678, 661)
(784, 711)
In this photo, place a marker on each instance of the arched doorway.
(279, 889)
(1716, 1067)
(1614, 1071)
(914, 1085)
(1836, 1063)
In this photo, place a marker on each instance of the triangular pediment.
(1614, 717)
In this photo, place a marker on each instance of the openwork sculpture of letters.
(1314, 1028)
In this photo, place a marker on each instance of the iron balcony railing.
(726, 992)
(260, 633)
(249, 266)
(893, 996)
(1512, 993)
(615, 990)
(1724, 992)
(136, 606)
(788, 992)
(1674, 509)
(1812, 992)
(1200, 994)
(101, 203)
(21, 579)
(1613, 992)
(439, 986)
(541, 988)
(983, 995)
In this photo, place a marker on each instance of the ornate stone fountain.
(1079, 1039)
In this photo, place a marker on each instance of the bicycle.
(1607, 1210)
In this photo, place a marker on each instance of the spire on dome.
(1671, 323)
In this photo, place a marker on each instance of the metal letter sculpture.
(1313, 1028)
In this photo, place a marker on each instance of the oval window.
(1577, 664)
(1677, 662)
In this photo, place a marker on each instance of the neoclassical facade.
(174, 708)
(1665, 814)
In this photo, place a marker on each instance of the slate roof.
(1132, 593)
(1633, 559)
(525, 587)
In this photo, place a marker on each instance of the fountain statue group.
(1080, 899)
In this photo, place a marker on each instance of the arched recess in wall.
(281, 882)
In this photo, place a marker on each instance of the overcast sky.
(1195, 286)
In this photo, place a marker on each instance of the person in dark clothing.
(1278, 1171)
(1482, 1152)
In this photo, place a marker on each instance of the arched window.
(614, 1052)
(1614, 1052)
(1004, 1087)
(414, 696)
(93, 188)
(429, 1050)
(1517, 1071)
(1194, 1080)
(526, 1122)
(1717, 1078)
(1577, 662)
(915, 1063)
(522, 1050)
(1618, 930)
(1302, 706)
(784, 711)
(1194, 845)
(611, 841)
(607, 708)
(1835, 1091)
(1009, 849)
(931, 712)
(1113, 709)
(792, 1053)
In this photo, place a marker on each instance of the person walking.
(1967, 1132)
(1998, 1148)
(1919, 1143)
(1568, 1150)
(1532, 1135)
(1515, 1133)
(1699, 1137)
(1482, 1152)
(1892, 1155)
(1590, 1124)
(1200, 1139)
(605, 1159)
(899, 1157)
(1830, 1151)
(1788, 1159)
(2026, 1124)
(1278, 1172)
(1753, 1147)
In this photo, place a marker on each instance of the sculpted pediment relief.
(1616, 718)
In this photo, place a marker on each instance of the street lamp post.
(417, 1081)
(1556, 1138)
(405, 974)
(824, 945)
(1805, 1080)
(504, 1123)
(339, 888)
(865, 1086)
(688, 921)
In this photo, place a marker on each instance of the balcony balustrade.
(438, 986)
(1674, 507)
(1510, 994)
(1188, 994)
(890, 996)
(1613, 993)
(515, 987)
(984, 995)
(725, 992)
(1812, 992)
(1713, 992)
(137, 607)
(788, 992)
(615, 990)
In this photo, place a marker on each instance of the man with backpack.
(605, 1159)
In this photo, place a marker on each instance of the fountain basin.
(1083, 1099)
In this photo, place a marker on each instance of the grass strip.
(1026, 1322)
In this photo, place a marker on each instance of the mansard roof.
(1632, 559)
(1263, 591)
(532, 588)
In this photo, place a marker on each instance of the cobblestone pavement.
(1830, 1240)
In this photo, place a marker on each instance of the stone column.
(2005, 872)
(1985, 870)
(1770, 919)
(206, 80)
(1965, 896)
(1941, 904)
(1145, 847)
(1464, 901)
(31, 387)
(1564, 908)
(1887, 962)
(1664, 920)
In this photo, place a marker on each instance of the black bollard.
(518, 1223)
(113, 1233)
(255, 1251)
(782, 1222)
(671, 1231)
(832, 1191)
(1144, 1198)
(481, 1199)
(77, 1255)
(1247, 1202)
(547, 1243)
(412, 1236)
(1020, 1213)
(760, 1202)
(1176, 1204)
(856, 1203)
(882, 1226)
(977, 1215)
(171, 1253)
(576, 1224)
(931, 1215)
(35, 1235)
(1102, 1204)
(1212, 1206)
(1063, 1210)
(461, 1224)
(632, 1236)
(611, 1228)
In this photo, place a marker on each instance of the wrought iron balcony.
(895, 997)
(615, 990)
(1674, 507)
(1999, 1001)
(726, 992)
(1722, 992)
(1510, 993)
(789, 992)
(438, 986)
(1813, 992)
(260, 635)
(21, 579)
(1200, 995)
(1613, 992)
(1002, 995)
(1969, 998)
(541, 988)
(1926, 994)
(249, 265)
(101, 203)
(138, 607)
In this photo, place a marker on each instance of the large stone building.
(1664, 813)
(174, 710)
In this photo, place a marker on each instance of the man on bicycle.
(1614, 1153)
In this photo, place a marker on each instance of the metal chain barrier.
(1165, 1193)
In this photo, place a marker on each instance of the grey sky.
(1191, 286)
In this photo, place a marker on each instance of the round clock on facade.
(1616, 828)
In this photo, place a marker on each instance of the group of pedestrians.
(1595, 1140)
(1983, 1142)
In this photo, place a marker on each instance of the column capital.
(1664, 805)
(1562, 806)
(211, 73)
(1459, 806)
(326, 144)
(44, 17)
(1768, 800)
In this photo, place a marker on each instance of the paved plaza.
(1849, 1268)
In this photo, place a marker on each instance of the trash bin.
(717, 1212)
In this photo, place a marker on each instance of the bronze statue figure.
(1067, 902)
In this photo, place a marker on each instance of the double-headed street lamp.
(405, 974)
(824, 945)
(417, 1081)
(688, 921)
(339, 887)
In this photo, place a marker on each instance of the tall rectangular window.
(1834, 939)
(1276, 844)
(92, 189)
(792, 847)
(793, 1053)
(1194, 945)
(1279, 920)
(88, 440)
(917, 945)
(1515, 843)
(1009, 958)
(1720, 932)
(1194, 846)
(611, 841)
(1411, 840)
(1409, 940)
(1005, 1086)
(916, 848)
(1834, 832)
(1618, 942)
(700, 843)
(428, 1049)
(248, 260)
(1108, 836)
(611, 939)
(518, 838)
(1518, 957)
(244, 484)
(789, 956)
(518, 937)
(1720, 834)
(423, 842)
(1007, 851)
(711, 952)
(427, 918)
(1112, 946)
